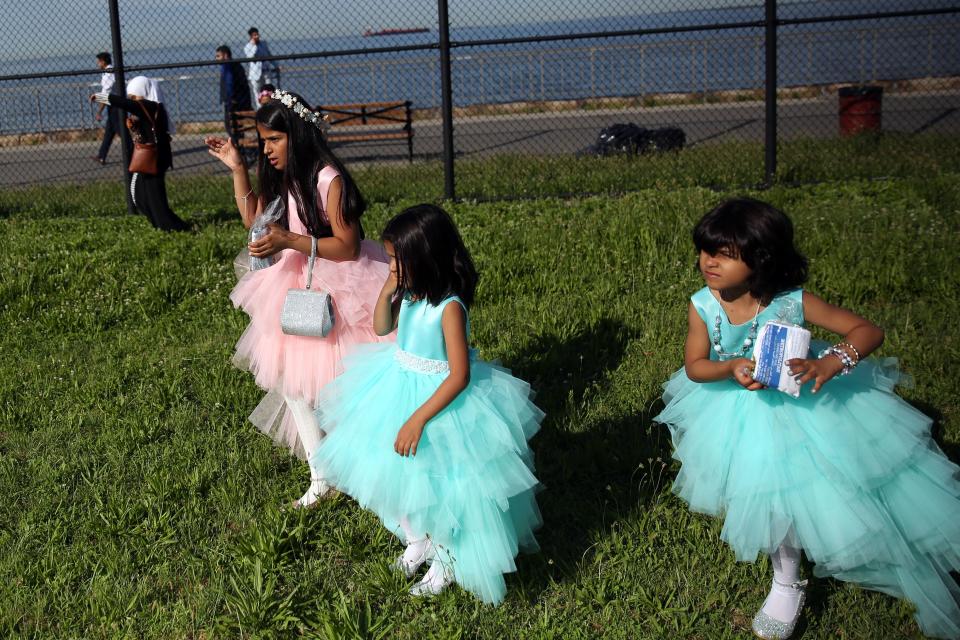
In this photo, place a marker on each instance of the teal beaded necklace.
(747, 342)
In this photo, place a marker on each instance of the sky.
(44, 28)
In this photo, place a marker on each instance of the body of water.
(696, 61)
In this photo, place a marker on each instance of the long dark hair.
(432, 261)
(762, 236)
(307, 155)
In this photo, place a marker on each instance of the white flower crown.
(290, 101)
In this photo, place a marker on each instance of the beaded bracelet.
(851, 348)
(843, 356)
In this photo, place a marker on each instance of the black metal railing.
(759, 74)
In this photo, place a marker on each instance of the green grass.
(136, 501)
(725, 166)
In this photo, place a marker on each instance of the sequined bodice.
(785, 307)
(420, 332)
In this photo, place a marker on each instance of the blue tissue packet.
(777, 343)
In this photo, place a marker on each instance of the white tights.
(784, 598)
(417, 547)
(310, 437)
(422, 549)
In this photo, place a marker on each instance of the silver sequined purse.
(307, 312)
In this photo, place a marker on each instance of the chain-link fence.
(536, 79)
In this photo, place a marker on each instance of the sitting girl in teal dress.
(433, 440)
(847, 473)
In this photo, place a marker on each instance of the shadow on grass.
(606, 474)
(937, 432)
(213, 217)
(595, 478)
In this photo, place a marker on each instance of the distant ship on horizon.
(394, 32)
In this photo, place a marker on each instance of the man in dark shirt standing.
(234, 90)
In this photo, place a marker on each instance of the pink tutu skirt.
(297, 366)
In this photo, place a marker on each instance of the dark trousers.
(110, 128)
(150, 197)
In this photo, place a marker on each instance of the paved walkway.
(535, 133)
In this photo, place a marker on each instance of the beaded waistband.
(413, 362)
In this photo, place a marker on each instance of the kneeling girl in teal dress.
(846, 473)
(433, 440)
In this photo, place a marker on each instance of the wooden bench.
(368, 122)
(243, 127)
(386, 121)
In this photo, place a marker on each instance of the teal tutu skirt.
(471, 484)
(850, 474)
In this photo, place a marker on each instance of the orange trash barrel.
(860, 109)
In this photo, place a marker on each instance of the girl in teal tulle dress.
(847, 473)
(425, 435)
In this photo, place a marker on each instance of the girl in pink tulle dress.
(323, 206)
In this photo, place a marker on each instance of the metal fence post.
(39, 113)
(563, 77)
(446, 100)
(861, 48)
(643, 76)
(83, 109)
(373, 82)
(593, 77)
(770, 94)
(121, 85)
(706, 60)
(176, 87)
(693, 67)
(756, 60)
(543, 95)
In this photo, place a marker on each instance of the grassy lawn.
(136, 501)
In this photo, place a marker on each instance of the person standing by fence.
(112, 126)
(149, 125)
(234, 92)
(259, 72)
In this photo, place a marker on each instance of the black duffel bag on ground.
(631, 139)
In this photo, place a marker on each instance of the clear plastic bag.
(272, 213)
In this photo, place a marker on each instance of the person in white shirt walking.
(111, 127)
(259, 72)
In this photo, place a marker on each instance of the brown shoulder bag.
(145, 154)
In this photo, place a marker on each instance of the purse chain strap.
(313, 256)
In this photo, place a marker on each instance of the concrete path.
(535, 133)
